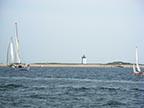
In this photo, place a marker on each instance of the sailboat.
(136, 68)
(13, 54)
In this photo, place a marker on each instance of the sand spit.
(80, 65)
(77, 65)
(3, 65)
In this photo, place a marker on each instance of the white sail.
(134, 70)
(10, 54)
(17, 51)
(18, 60)
(137, 65)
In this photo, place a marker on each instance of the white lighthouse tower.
(84, 60)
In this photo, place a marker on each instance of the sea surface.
(71, 87)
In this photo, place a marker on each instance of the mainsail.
(134, 68)
(137, 66)
(17, 46)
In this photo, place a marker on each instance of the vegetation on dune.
(119, 63)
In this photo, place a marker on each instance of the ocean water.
(71, 87)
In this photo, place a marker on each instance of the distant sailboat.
(136, 68)
(13, 54)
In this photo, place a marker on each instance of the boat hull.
(17, 66)
(138, 73)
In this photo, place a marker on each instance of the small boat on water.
(13, 54)
(136, 68)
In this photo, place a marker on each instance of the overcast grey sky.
(64, 30)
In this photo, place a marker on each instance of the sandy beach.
(3, 65)
(77, 65)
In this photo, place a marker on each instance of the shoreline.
(78, 65)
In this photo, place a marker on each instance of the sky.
(63, 30)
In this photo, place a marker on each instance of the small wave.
(110, 88)
(38, 96)
(79, 88)
(76, 90)
(75, 79)
(138, 89)
(39, 87)
(9, 86)
(114, 103)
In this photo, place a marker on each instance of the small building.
(84, 60)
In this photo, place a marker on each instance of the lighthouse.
(84, 60)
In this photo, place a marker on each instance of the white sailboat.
(136, 68)
(13, 54)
